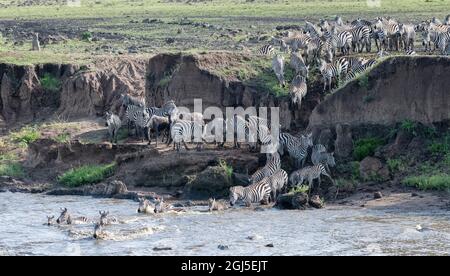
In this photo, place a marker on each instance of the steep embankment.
(68, 91)
(398, 89)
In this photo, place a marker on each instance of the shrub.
(13, 169)
(395, 165)
(409, 126)
(366, 147)
(363, 81)
(226, 168)
(300, 189)
(87, 36)
(62, 138)
(87, 174)
(50, 83)
(441, 147)
(425, 182)
(26, 135)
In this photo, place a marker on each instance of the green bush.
(366, 147)
(25, 135)
(50, 83)
(300, 189)
(87, 174)
(409, 126)
(440, 147)
(62, 138)
(425, 182)
(395, 165)
(87, 36)
(11, 168)
(226, 168)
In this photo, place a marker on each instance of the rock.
(162, 248)
(344, 143)
(414, 194)
(269, 245)
(316, 202)
(170, 40)
(254, 237)
(223, 247)
(212, 182)
(372, 168)
(377, 195)
(292, 201)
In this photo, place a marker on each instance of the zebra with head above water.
(65, 217)
(105, 220)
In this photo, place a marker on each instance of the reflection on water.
(317, 232)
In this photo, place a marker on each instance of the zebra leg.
(185, 145)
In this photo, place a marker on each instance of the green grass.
(366, 147)
(363, 81)
(25, 135)
(87, 174)
(396, 165)
(228, 169)
(409, 126)
(62, 138)
(50, 83)
(299, 189)
(11, 168)
(425, 182)
(441, 146)
(86, 36)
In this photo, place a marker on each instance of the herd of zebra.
(267, 181)
(319, 44)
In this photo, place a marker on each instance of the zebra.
(407, 35)
(332, 71)
(284, 47)
(320, 155)
(298, 64)
(440, 39)
(157, 124)
(277, 182)
(65, 217)
(257, 192)
(215, 205)
(361, 37)
(239, 127)
(340, 40)
(98, 231)
(309, 173)
(392, 31)
(447, 20)
(360, 22)
(105, 220)
(297, 148)
(216, 131)
(380, 38)
(131, 100)
(278, 68)
(161, 206)
(273, 164)
(183, 131)
(113, 123)
(145, 206)
(169, 109)
(354, 72)
(132, 114)
(410, 52)
(266, 50)
(50, 220)
(298, 89)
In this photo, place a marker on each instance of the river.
(330, 231)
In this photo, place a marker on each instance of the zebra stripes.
(266, 50)
(185, 131)
(297, 148)
(298, 64)
(273, 164)
(278, 68)
(309, 173)
(332, 71)
(113, 123)
(298, 89)
(277, 182)
(320, 155)
(257, 192)
(361, 37)
(355, 72)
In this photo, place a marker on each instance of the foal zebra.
(298, 90)
(309, 173)
(113, 123)
(65, 217)
(320, 155)
(278, 68)
(277, 181)
(257, 192)
(273, 164)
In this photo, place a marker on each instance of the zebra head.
(211, 203)
(64, 217)
(145, 206)
(50, 220)
(108, 116)
(235, 194)
(159, 208)
(103, 217)
(426, 38)
(307, 140)
(98, 230)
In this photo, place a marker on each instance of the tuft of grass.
(395, 165)
(86, 36)
(409, 126)
(440, 147)
(87, 174)
(299, 189)
(62, 138)
(50, 83)
(25, 135)
(425, 182)
(11, 168)
(366, 147)
(228, 169)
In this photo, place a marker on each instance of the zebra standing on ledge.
(297, 148)
(273, 165)
(278, 68)
(257, 192)
(309, 173)
(113, 123)
(183, 131)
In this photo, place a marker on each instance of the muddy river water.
(330, 231)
